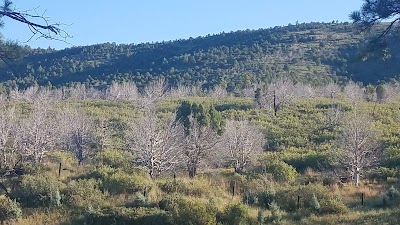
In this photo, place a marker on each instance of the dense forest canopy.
(314, 53)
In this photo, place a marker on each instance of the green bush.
(120, 182)
(38, 191)
(313, 160)
(266, 197)
(9, 209)
(191, 187)
(276, 214)
(314, 204)
(381, 173)
(117, 181)
(393, 193)
(127, 216)
(84, 194)
(286, 198)
(236, 214)
(280, 170)
(187, 211)
(115, 158)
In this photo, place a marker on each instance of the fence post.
(59, 170)
(298, 202)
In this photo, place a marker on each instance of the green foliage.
(393, 193)
(280, 170)
(191, 187)
(287, 199)
(127, 216)
(115, 158)
(314, 160)
(236, 214)
(266, 197)
(276, 214)
(38, 191)
(85, 193)
(381, 173)
(189, 211)
(204, 115)
(121, 182)
(9, 209)
(117, 181)
(314, 204)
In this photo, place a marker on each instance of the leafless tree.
(241, 142)
(7, 126)
(283, 92)
(77, 133)
(334, 117)
(331, 90)
(200, 145)
(104, 133)
(37, 133)
(353, 92)
(123, 91)
(218, 91)
(157, 144)
(359, 144)
(153, 92)
(181, 91)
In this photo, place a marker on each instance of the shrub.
(276, 214)
(280, 170)
(393, 193)
(194, 187)
(126, 216)
(66, 158)
(266, 197)
(84, 193)
(381, 173)
(236, 214)
(116, 181)
(140, 201)
(287, 199)
(115, 158)
(187, 211)
(250, 198)
(38, 191)
(120, 182)
(9, 209)
(314, 204)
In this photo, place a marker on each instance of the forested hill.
(312, 53)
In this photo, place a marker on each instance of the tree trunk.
(192, 171)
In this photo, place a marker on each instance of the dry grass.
(45, 217)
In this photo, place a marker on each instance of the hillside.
(313, 53)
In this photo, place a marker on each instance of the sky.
(132, 21)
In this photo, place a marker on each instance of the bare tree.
(283, 92)
(331, 90)
(181, 91)
(153, 92)
(77, 132)
(359, 144)
(37, 133)
(353, 92)
(218, 91)
(200, 144)
(7, 126)
(241, 142)
(157, 144)
(123, 91)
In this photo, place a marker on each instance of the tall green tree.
(375, 11)
(202, 125)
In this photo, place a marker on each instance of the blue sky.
(92, 22)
